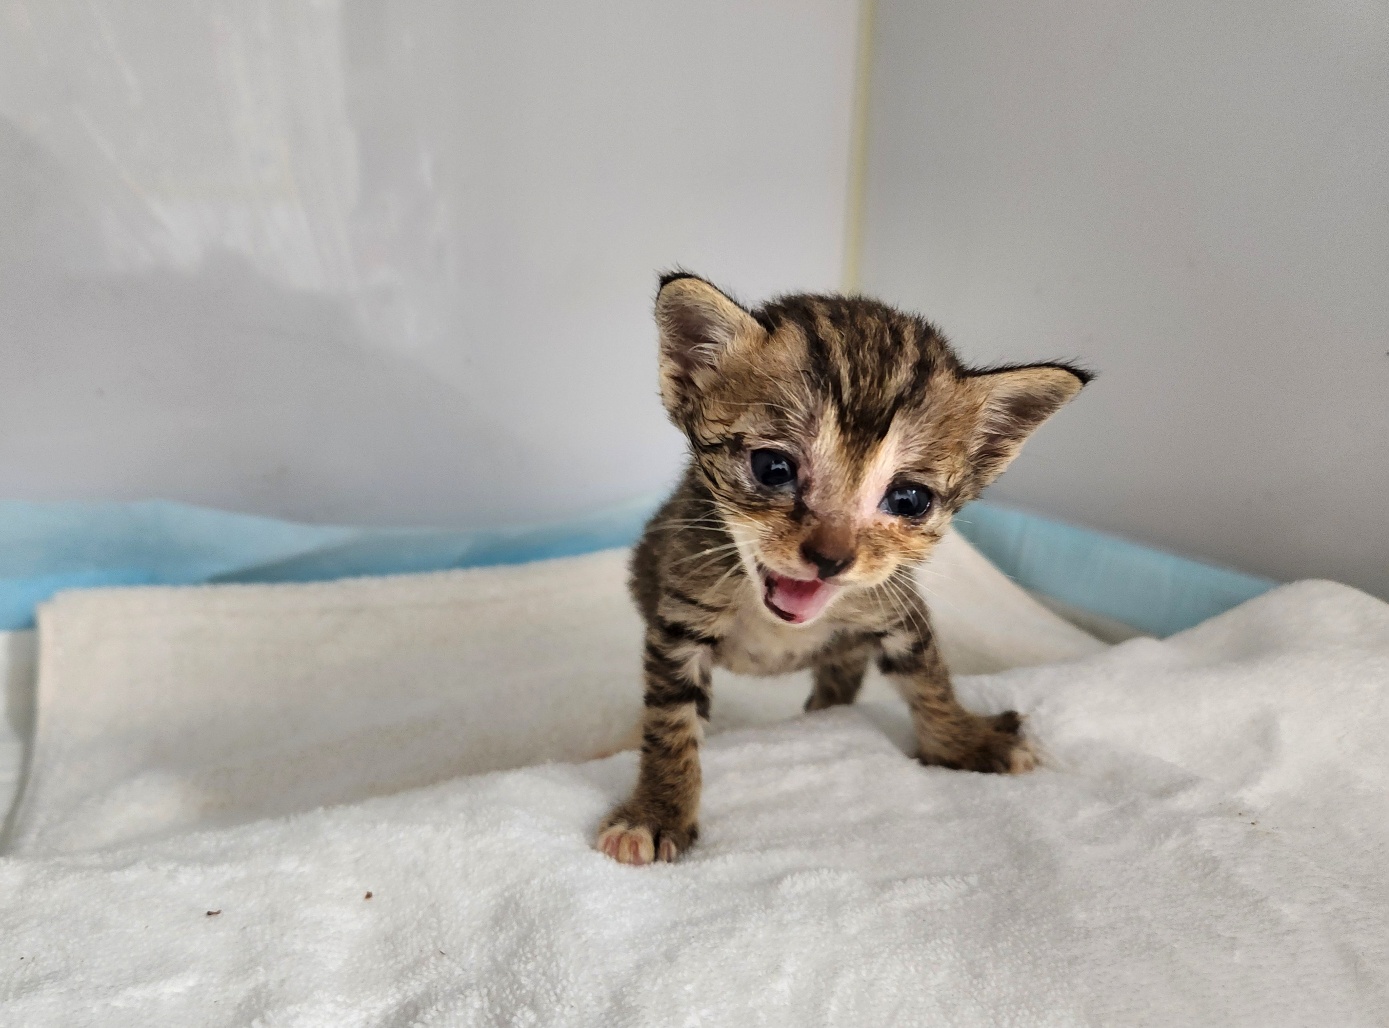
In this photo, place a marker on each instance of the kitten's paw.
(629, 843)
(822, 701)
(999, 748)
(1023, 758)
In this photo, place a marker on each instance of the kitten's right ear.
(699, 327)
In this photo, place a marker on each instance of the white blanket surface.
(162, 710)
(1205, 846)
(18, 676)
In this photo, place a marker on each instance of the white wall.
(1193, 197)
(389, 262)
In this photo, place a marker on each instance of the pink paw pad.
(628, 845)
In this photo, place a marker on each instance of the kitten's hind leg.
(839, 675)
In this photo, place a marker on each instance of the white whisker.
(713, 549)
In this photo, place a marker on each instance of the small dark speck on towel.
(213, 913)
(367, 896)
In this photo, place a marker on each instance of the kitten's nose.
(829, 551)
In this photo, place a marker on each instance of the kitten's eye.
(773, 468)
(906, 501)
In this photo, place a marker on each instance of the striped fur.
(863, 398)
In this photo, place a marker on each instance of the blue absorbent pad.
(48, 547)
(1157, 592)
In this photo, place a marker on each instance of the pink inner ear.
(697, 323)
(1019, 401)
(689, 345)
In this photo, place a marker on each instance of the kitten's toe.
(627, 845)
(1023, 758)
(1012, 744)
(629, 841)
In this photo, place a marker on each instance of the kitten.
(831, 440)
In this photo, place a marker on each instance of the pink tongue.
(796, 601)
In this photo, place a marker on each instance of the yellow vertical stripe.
(858, 147)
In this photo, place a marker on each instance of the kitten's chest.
(757, 645)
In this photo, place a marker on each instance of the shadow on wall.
(119, 384)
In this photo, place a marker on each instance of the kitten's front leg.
(947, 733)
(660, 819)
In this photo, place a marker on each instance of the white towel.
(18, 675)
(1206, 848)
(161, 710)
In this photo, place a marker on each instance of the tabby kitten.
(831, 440)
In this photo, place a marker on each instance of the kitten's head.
(836, 434)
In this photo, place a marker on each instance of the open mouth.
(794, 600)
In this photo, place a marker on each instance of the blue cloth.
(47, 547)
(1154, 591)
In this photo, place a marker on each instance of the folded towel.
(164, 709)
(1205, 847)
(17, 678)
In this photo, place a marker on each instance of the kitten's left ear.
(1014, 403)
(699, 327)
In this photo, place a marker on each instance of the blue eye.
(773, 468)
(906, 501)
